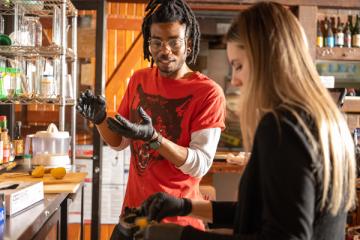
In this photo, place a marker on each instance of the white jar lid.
(52, 132)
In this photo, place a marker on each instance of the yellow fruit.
(38, 172)
(141, 222)
(58, 172)
(48, 170)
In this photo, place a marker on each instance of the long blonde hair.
(282, 74)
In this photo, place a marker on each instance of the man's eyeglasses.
(174, 44)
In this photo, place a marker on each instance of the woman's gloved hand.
(123, 232)
(162, 205)
(142, 131)
(91, 107)
(162, 231)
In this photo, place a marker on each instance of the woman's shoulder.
(291, 118)
(284, 125)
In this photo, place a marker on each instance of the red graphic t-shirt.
(177, 109)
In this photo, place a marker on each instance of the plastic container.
(51, 142)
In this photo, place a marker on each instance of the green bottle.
(356, 34)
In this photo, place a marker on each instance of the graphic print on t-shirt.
(166, 115)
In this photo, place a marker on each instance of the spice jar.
(47, 86)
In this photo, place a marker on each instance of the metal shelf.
(42, 8)
(28, 51)
(30, 101)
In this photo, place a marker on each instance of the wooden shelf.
(351, 105)
(224, 167)
(339, 54)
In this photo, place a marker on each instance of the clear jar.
(47, 86)
(2, 24)
(35, 30)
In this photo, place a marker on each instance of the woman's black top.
(280, 190)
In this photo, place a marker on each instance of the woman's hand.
(162, 231)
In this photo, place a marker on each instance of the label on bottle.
(18, 147)
(6, 153)
(339, 39)
(347, 40)
(329, 42)
(2, 209)
(1, 151)
(356, 40)
(320, 41)
(2, 215)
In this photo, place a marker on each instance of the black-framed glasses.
(175, 44)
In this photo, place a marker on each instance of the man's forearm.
(173, 152)
(111, 138)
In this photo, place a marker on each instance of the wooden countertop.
(225, 167)
(220, 165)
(69, 184)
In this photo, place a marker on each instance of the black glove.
(122, 232)
(143, 131)
(160, 231)
(91, 107)
(126, 228)
(162, 205)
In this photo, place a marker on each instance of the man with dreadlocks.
(170, 116)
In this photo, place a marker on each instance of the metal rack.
(29, 52)
(44, 8)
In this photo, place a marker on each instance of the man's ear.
(189, 45)
(150, 50)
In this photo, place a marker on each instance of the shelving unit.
(29, 52)
(336, 54)
(44, 9)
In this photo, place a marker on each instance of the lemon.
(141, 222)
(38, 172)
(48, 170)
(58, 172)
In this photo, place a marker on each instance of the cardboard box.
(24, 195)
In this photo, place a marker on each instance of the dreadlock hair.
(164, 11)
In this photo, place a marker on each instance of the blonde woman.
(300, 180)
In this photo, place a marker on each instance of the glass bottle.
(350, 23)
(18, 142)
(3, 122)
(356, 34)
(347, 36)
(38, 29)
(329, 40)
(6, 145)
(339, 35)
(319, 36)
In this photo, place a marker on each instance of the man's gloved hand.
(143, 131)
(162, 205)
(167, 231)
(91, 107)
